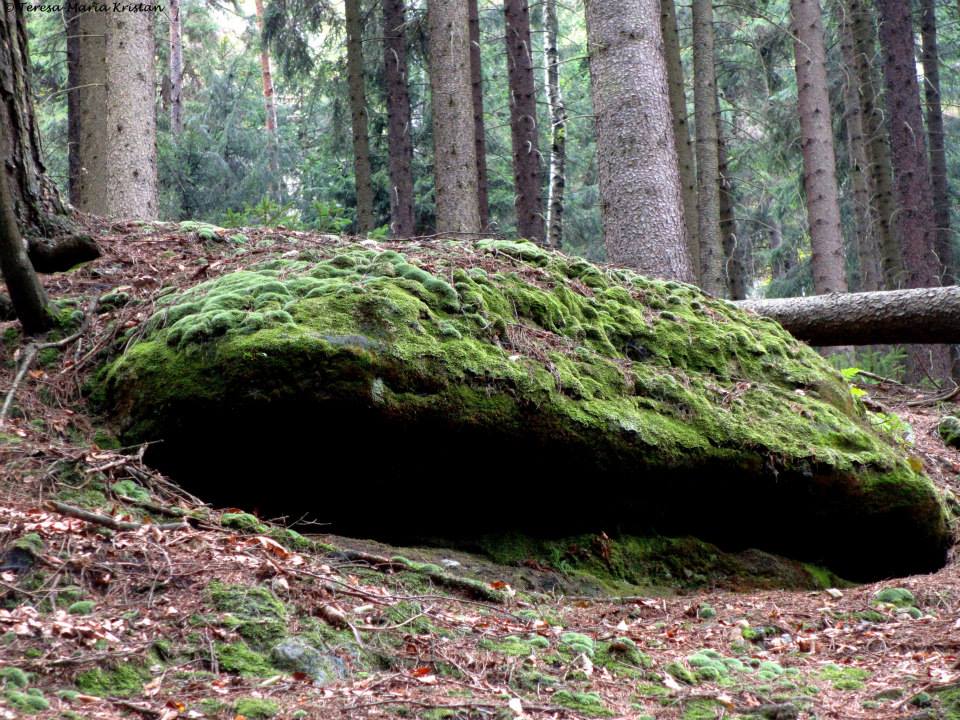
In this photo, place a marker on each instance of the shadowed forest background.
(216, 170)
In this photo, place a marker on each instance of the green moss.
(585, 703)
(14, 677)
(621, 655)
(577, 644)
(514, 646)
(420, 338)
(29, 542)
(132, 490)
(681, 673)
(81, 607)
(949, 429)
(123, 680)
(245, 522)
(256, 708)
(844, 677)
(30, 702)
(291, 539)
(702, 709)
(211, 706)
(259, 617)
(239, 658)
(898, 597)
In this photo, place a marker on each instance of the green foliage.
(256, 708)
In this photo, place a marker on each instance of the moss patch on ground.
(690, 413)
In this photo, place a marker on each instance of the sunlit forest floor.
(123, 596)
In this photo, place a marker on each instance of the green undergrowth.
(639, 378)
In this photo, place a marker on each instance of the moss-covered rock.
(949, 429)
(683, 412)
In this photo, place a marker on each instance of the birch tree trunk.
(819, 158)
(640, 196)
(358, 114)
(558, 126)
(399, 139)
(712, 278)
(681, 128)
(455, 159)
(523, 121)
(479, 124)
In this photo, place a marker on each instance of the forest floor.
(122, 596)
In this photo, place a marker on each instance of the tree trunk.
(399, 138)
(935, 137)
(558, 126)
(681, 128)
(71, 18)
(479, 125)
(712, 278)
(26, 293)
(640, 196)
(915, 220)
(922, 315)
(865, 216)
(176, 69)
(734, 247)
(37, 205)
(523, 121)
(118, 129)
(270, 107)
(358, 114)
(878, 148)
(819, 158)
(455, 159)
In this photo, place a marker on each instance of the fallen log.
(922, 315)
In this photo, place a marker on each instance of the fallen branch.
(109, 522)
(473, 588)
(30, 354)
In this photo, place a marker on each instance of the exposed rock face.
(441, 386)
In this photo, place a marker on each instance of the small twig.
(107, 521)
(30, 354)
(879, 378)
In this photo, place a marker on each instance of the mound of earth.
(440, 387)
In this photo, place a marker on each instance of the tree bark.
(734, 249)
(915, 220)
(878, 148)
(712, 278)
(640, 196)
(523, 121)
(558, 126)
(176, 69)
(935, 137)
(479, 124)
(870, 277)
(358, 114)
(118, 115)
(921, 315)
(71, 19)
(270, 108)
(681, 128)
(399, 138)
(37, 205)
(455, 159)
(819, 158)
(26, 293)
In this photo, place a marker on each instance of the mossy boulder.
(949, 429)
(406, 369)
